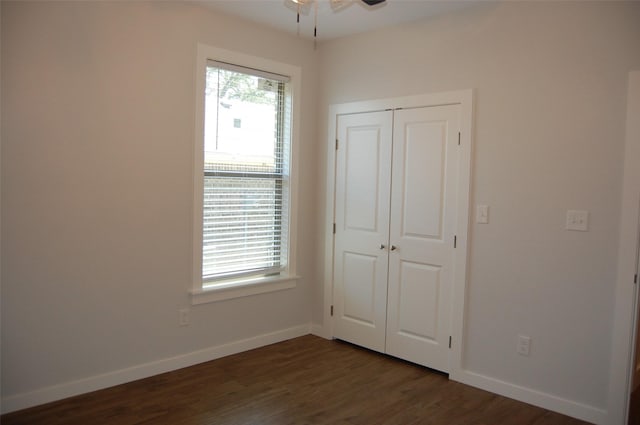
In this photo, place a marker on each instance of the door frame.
(626, 292)
(464, 98)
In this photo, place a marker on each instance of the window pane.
(241, 122)
(245, 175)
(242, 225)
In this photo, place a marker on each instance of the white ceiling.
(355, 18)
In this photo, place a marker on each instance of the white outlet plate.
(482, 214)
(183, 317)
(577, 220)
(524, 345)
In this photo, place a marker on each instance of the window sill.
(242, 288)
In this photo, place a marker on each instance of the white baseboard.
(98, 382)
(319, 330)
(69, 389)
(547, 401)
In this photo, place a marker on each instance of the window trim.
(234, 288)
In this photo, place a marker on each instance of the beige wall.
(97, 126)
(97, 138)
(550, 81)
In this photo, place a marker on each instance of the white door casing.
(626, 292)
(464, 99)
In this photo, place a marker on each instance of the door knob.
(382, 246)
(393, 247)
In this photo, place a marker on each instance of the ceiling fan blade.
(301, 6)
(338, 5)
(373, 2)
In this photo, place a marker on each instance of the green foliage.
(237, 86)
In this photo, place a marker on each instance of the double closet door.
(395, 210)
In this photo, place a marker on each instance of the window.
(244, 222)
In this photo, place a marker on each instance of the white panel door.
(363, 180)
(423, 213)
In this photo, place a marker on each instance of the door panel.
(418, 288)
(359, 278)
(423, 204)
(363, 181)
(424, 151)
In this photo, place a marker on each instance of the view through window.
(247, 131)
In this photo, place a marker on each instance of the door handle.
(382, 246)
(393, 247)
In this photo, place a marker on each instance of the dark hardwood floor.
(634, 408)
(306, 380)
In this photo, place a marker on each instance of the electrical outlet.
(482, 214)
(524, 345)
(183, 317)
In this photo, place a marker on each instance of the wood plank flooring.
(634, 408)
(307, 380)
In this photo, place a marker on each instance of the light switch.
(482, 214)
(577, 220)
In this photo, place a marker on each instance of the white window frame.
(241, 287)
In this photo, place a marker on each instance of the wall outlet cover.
(524, 345)
(482, 214)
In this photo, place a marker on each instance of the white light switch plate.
(577, 220)
(482, 214)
